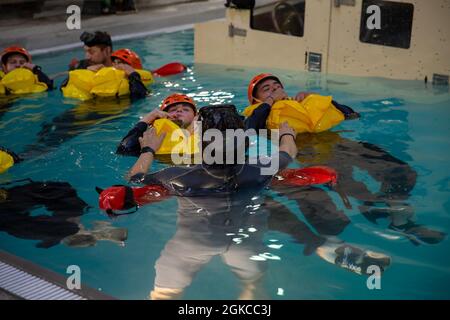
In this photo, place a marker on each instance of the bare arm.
(287, 142)
(143, 163)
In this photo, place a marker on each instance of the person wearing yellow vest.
(99, 57)
(266, 89)
(177, 107)
(138, 78)
(97, 51)
(18, 75)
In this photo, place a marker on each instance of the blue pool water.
(75, 143)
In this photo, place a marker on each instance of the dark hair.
(221, 117)
(99, 38)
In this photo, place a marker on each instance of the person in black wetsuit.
(212, 188)
(396, 176)
(177, 107)
(397, 179)
(268, 89)
(216, 176)
(216, 201)
(98, 51)
(17, 57)
(17, 203)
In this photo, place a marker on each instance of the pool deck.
(21, 279)
(50, 34)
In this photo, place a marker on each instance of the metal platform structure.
(403, 39)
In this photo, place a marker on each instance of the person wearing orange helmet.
(127, 57)
(17, 57)
(266, 88)
(129, 61)
(177, 107)
(97, 51)
(98, 54)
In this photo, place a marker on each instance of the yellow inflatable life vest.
(107, 82)
(174, 139)
(315, 113)
(146, 76)
(6, 161)
(21, 81)
(79, 85)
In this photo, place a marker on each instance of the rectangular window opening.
(386, 23)
(284, 17)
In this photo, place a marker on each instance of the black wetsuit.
(201, 179)
(42, 77)
(17, 204)
(245, 181)
(137, 87)
(213, 209)
(129, 146)
(232, 226)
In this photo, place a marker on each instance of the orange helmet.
(129, 57)
(15, 49)
(177, 98)
(257, 79)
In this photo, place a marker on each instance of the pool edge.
(49, 277)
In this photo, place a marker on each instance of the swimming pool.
(76, 144)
